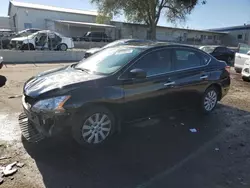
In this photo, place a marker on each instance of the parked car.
(43, 40)
(241, 57)
(245, 73)
(7, 35)
(96, 36)
(220, 53)
(120, 84)
(1, 62)
(92, 51)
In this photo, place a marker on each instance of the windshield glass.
(244, 48)
(113, 44)
(22, 34)
(108, 60)
(208, 49)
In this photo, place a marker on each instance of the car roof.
(154, 45)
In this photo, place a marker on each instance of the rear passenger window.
(185, 58)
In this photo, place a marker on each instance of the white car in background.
(241, 57)
(42, 40)
(245, 73)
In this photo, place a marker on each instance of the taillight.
(227, 68)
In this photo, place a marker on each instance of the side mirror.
(138, 73)
(248, 53)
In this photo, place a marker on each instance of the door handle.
(169, 83)
(238, 56)
(204, 77)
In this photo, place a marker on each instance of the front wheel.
(96, 126)
(246, 79)
(63, 47)
(209, 100)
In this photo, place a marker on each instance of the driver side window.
(154, 63)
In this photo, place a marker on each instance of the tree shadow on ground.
(139, 153)
(3, 80)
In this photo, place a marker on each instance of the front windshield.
(108, 60)
(208, 49)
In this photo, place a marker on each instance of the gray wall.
(15, 56)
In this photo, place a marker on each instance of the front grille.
(29, 131)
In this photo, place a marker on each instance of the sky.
(215, 14)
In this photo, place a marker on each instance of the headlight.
(52, 104)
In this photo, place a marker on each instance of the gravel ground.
(159, 152)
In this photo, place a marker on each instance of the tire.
(209, 100)
(63, 47)
(246, 79)
(89, 134)
(237, 70)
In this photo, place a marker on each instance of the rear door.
(190, 76)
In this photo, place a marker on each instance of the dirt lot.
(160, 152)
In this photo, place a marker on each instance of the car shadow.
(3, 80)
(140, 152)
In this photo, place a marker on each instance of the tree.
(148, 11)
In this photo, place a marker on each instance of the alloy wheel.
(210, 100)
(96, 128)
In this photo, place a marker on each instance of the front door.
(145, 97)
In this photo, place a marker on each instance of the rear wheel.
(96, 126)
(209, 100)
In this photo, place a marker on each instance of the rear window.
(187, 58)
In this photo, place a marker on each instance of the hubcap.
(96, 128)
(210, 100)
(63, 47)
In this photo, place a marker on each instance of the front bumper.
(37, 126)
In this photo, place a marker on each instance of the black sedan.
(90, 99)
(220, 53)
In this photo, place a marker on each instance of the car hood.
(56, 79)
(93, 50)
